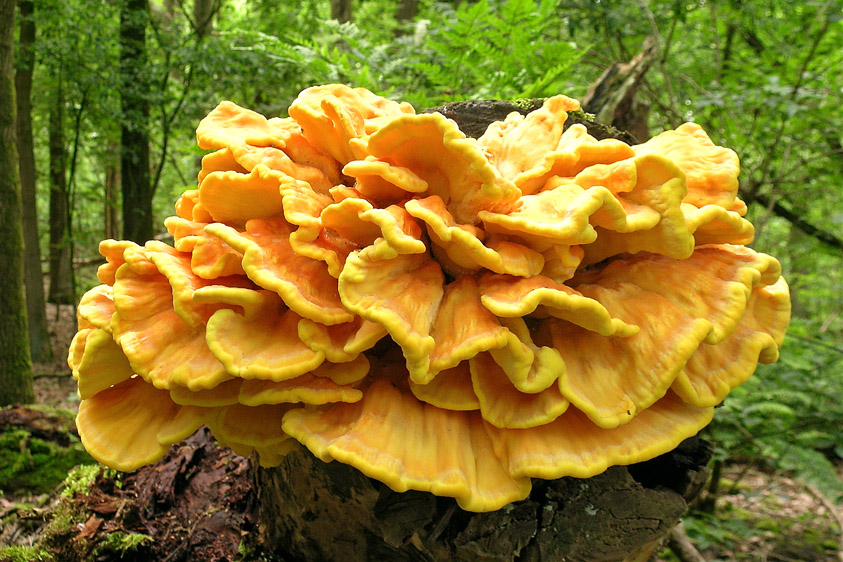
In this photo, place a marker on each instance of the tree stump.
(315, 511)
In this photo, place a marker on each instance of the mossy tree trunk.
(61, 284)
(135, 86)
(111, 199)
(39, 336)
(15, 361)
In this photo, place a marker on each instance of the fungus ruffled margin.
(443, 313)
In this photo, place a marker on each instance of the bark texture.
(15, 361)
(134, 133)
(314, 511)
(39, 336)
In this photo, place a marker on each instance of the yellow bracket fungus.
(445, 314)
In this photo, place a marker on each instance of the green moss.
(25, 554)
(80, 479)
(67, 514)
(246, 553)
(580, 114)
(32, 465)
(121, 543)
(527, 104)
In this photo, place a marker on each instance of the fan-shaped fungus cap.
(443, 313)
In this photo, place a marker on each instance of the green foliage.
(788, 415)
(491, 50)
(735, 533)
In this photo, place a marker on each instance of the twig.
(835, 513)
(681, 545)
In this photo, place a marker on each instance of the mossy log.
(315, 511)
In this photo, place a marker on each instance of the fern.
(788, 415)
(501, 50)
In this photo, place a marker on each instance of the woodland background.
(109, 94)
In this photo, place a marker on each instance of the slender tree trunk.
(112, 195)
(407, 10)
(15, 361)
(39, 336)
(203, 16)
(341, 10)
(60, 259)
(134, 136)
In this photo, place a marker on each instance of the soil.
(198, 503)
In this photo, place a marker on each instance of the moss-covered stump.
(315, 511)
(38, 447)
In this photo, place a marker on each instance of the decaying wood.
(316, 511)
(474, 116)
(195, 504)
(611, 98)
(43, 425)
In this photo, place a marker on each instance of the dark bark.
(61, 289)
(195, 504)
(134, 135)
(474, 116)
(36, 312)
(111, 202)
(341, 10)
(316, 511)
(15, 360)
(407, 10)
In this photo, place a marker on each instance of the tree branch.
(796, 220)
(681, 545)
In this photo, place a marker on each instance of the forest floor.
(197, 503)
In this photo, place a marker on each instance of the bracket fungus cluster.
(446, 314)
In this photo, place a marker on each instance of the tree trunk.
(407, 10)
(341, 10)
(61, 287)
(315, 511)
(111, 196)
(36, 312)
(134, 135)
(15, 361)
(203, 16)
